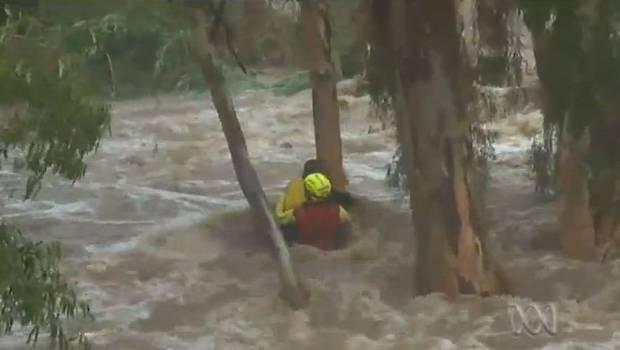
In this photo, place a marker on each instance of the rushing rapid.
(158, 239)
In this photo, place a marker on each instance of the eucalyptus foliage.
(382, 87)
(127, 48)
(48, 117)
(46, 111)
(34, 292)
(578, 62)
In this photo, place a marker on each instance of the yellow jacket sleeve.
(280, 207)
(283, 215)
(293, 197)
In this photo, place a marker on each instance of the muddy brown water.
(158, 239)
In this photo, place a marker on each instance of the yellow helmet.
(318, 185)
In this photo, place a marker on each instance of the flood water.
(158, 240)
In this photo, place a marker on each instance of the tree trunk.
(577, 234)
(586, 221)
(317, 35)
(292, 290)
(450, 257)
(251, 26)
(604, 200)
(403, 131)
(603, 189)
(494, 35)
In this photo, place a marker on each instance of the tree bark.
(603, 190)
(251, 26)
(450, 257)
(604, 187)
(587, 220)
(292, 289)
(317, 36)
(577, 234)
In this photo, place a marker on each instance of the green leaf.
(34, 292)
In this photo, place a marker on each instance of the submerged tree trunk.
(577, 234)
(450, 257)
(317, 36)
(575, 62)
(292, 290)
(604, 187)
(588, 207)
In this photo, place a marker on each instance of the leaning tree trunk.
(292, 290)
(317, 36)
(450, 257)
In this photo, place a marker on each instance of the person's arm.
(280, 206)
(283, 215)
(344, 215)
(344, 198)
(287, 217)
(343, 234)
(283, 212)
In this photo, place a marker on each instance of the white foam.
(252, 322)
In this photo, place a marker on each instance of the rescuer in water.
(320, 221)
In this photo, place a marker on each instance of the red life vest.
(318, 223)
